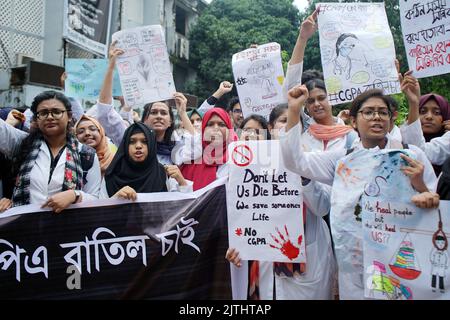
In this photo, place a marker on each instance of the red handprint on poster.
(285, 245)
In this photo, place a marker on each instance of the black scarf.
(146, 177)
(443, 187)
(165, 149)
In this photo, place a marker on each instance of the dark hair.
(393, 103)
(311, 74)
(48, 95)
(363, 97)
(168, 134)
(277, 112)
(316, 84)
(232, 103)
(27, 143)
(341, 38)
(260, 119)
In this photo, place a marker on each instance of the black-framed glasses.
(369, 114)
(237, 110)
(56, 114)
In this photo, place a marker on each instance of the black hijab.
(145, 177)
(443, 187)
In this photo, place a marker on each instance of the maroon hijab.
(445, 111)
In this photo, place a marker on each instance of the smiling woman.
(90, 132)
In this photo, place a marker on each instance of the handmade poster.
(87, 24)
(357, 50)
(352, 174)
(265, 206)
(144, 69)
(85, 78)
(404, 247)
(426, 34)
(258, 74)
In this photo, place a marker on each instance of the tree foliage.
(437, 84)
(229, 26)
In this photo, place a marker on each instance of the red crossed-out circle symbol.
(242, 155)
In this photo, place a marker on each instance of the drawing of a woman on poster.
(357, 50)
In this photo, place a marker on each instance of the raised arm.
(104, 110)
(224, 88)
(307, 30)
(181, 103)
(11, 139)
(317, 166)
(411, 88)
(106, 96)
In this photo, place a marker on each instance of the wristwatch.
(77, 196)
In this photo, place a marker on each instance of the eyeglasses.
(56, 114)
(237, 110)
(369, 114)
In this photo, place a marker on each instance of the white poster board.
(426, 34)
(264, 204)
(144, 69)
(401, 260)
(258, 75)
(357, 50)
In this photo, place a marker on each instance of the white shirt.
(437, 150)
(396, 134)
(115, 128)
(311, 143)
(40, 188)
(320, 166)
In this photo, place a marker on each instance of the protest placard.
(144, 69)
(357, 50)
(426, 34)
(85, 78)
(258, 74)
(265, 206)
(405, 250)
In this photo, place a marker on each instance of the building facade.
(33, 30)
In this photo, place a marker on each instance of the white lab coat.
(320, 166)
(437, 150)
(439, 262)
(40, 188)
(186, 149)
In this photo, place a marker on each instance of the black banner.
(151, 250)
